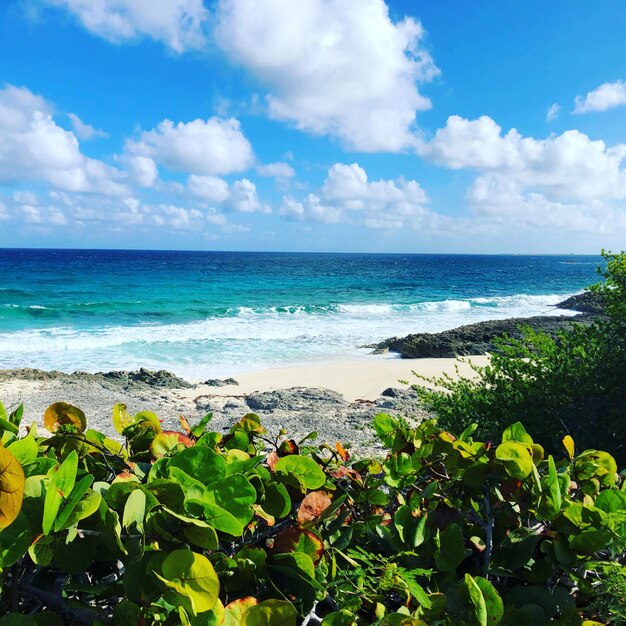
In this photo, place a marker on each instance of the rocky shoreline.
(478, 338)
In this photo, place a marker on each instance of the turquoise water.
(204, 314)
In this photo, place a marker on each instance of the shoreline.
(338, 399)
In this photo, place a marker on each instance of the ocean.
(215, 314)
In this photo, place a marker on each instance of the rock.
(391, 392)
(294, 399)
(585, 302)
(217, 382)
(474, 338)
(28, 373)
(235, 405)
(161, 379)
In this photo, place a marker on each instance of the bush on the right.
(573, 383)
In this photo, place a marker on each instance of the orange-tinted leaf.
(234, 611)
(294, 539)
(343, 453)
(62, 413)
(272, 459)
(184, 423)
(346, 472)
(11, 487)
(127, 476)
(313, 506)
(166, 441)
(287, 447)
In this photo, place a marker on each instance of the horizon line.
(202, 250)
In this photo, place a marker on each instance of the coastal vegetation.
(572, 382)
(202, 528)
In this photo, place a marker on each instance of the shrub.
(202, 528)
(572, 384)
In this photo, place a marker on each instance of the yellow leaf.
(61, 413)
(568, 442)
(11, 487)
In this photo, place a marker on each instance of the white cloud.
(83, 130)
(42, 215)
(142, 170)
(236, 229)
(553, 112)
(569, 166)
(176, 23)
(3, 212)
(311, 209)
(210, 188)
(25, 197)
(337, 67)
(109, 215)
(348, 196)
(278, 170)
(244, 198)
(606, 96)
(565, 182)
(499, 202)
(348, 186)
(214, 146)
(34, 148)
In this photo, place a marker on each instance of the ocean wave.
(359, 309)
(326, 327)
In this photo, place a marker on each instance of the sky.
(314, 125)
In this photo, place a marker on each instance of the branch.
(488, 526)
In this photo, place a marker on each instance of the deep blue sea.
(208, 314)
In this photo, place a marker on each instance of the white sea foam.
(250, 338)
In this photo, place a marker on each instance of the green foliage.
(237, 528)
(572, 384)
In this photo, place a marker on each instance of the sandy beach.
(364, 379)
(338, 400)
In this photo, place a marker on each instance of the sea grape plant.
(236, 528)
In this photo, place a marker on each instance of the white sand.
(363, 379)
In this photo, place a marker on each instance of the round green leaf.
(516, 458)
(15, 541)
(306, 471)
(611, 500)
(450, 548)
(270, 613)
(200, 463)
(276, 501)
(192, 576)
(235, 494)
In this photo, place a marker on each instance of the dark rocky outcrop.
(586, 302)
(472, 339)
(220, 382)
(162, 379)
(142, 378)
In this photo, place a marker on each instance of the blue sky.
(340, 125)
